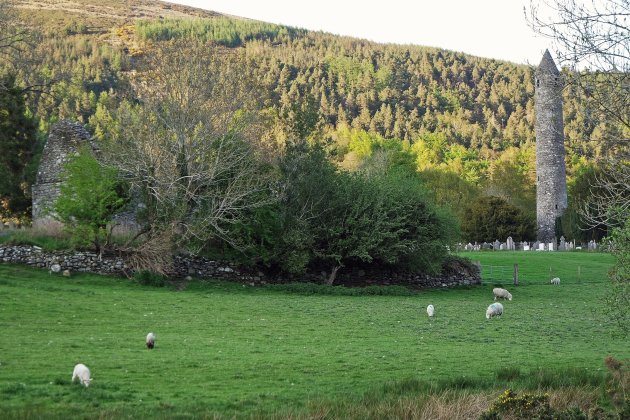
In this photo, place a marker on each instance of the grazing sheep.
(150, 340)
(430, 311)
(83, 373)
(502, 293)
(496, 309)
(555, 280)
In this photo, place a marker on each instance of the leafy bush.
(149, 278)
(618, 383)
(618, 300)
(339, 219)
(528, 406)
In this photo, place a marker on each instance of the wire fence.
(539, 274)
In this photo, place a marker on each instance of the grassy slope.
(234, 349)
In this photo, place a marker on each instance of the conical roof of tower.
(547, 64)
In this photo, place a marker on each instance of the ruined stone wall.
(551, 187)
(203, 268)
(64, 140)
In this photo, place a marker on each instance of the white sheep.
(430, 311)
(502, 293)
(150, 340)
(496, 309)
(555, 280)
(83, 373)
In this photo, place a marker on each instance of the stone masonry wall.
(200, 267)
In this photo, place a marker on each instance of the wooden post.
(515, 274)
(579, 276)
(478, 264)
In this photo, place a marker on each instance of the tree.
(581, 190)
(90, 196)
(618, 301)
(449, 190)
(191, 149)
(12, 40)
(492, 218)
(370, 217)
(17, 147)
(18, 52)
(512, 177)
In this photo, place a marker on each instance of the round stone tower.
(551, 178)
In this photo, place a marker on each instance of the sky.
(486, 28)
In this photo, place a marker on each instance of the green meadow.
(232, 350)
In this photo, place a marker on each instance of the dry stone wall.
(199, 267)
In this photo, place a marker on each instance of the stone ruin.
(64, 141)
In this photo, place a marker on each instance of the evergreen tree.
(17, 148)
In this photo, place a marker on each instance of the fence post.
(478, 264)
(579, 274)
(515, 274)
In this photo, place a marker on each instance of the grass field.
(539, 267)
(236, 350)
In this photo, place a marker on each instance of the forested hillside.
(464, 123)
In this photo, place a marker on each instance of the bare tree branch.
(592, 39)
(190, 147)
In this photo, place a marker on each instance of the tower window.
(556, 207)
(537, 82)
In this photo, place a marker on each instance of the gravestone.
(510, 244)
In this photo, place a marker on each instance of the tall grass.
(47, 239)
